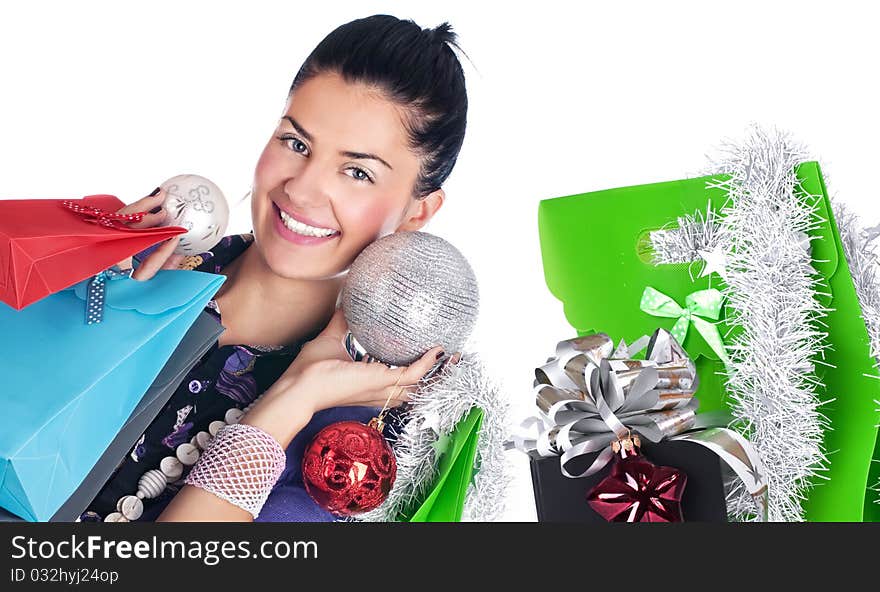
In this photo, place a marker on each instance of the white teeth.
(304, 229)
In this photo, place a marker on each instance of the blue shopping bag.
(68, 387)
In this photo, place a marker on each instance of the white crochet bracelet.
(240, 465)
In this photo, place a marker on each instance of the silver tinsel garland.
(770, 293)
(682, 244)
(436, 408)
(859, 248)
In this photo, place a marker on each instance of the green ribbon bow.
(699, 306)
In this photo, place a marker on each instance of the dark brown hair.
(417, 69)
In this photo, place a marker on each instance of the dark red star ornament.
(637, 490)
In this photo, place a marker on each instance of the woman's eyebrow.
(350, 154)
(346, 153)
(298, 128)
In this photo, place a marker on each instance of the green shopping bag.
(445, 501)
(594, 262)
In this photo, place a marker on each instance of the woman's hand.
(163, 257)
(334, 380)
(323, 376)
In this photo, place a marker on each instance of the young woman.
(371, 129)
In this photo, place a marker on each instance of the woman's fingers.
(150, 220)
(402, 382)
(147, 204)
(416, 371)
(335, 382)
(162, 257)
(156, 260)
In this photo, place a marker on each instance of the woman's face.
(336, 175)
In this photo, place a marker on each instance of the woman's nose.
(305, 187)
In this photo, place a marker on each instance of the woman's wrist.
(281, 412)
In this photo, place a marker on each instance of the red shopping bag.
(47, 245)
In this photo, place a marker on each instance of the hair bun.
(443, 33)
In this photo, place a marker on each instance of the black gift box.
(561, 499)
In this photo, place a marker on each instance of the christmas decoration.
(859, 245)
(799, 318)
(596, 401)
(435, 409)
(349, 468)
(701, 307)
(408, 292)
(716, 262)
(637, 490)
(789, 440)
(197, 204)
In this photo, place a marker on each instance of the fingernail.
(156, 210)
(155, 191)
(440, 354)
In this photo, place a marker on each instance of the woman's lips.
(294, 237)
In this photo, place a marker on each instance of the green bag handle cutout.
(445, 502)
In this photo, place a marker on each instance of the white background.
(112, 97)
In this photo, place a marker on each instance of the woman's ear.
(422, 210)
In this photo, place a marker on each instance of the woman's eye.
(294, 144)
(359, 174)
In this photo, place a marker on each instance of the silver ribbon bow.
(591, 395)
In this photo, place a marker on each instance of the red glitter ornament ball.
(349, 468)
(637, 490)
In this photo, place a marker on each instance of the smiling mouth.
(302, 228)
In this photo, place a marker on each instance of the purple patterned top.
(227, 376)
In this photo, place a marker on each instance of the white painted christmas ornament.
(197, 204)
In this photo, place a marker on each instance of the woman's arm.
(312, 382)
(193, 504)
(280, 417)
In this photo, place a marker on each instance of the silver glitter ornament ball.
(198, 205)
(406, 293)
